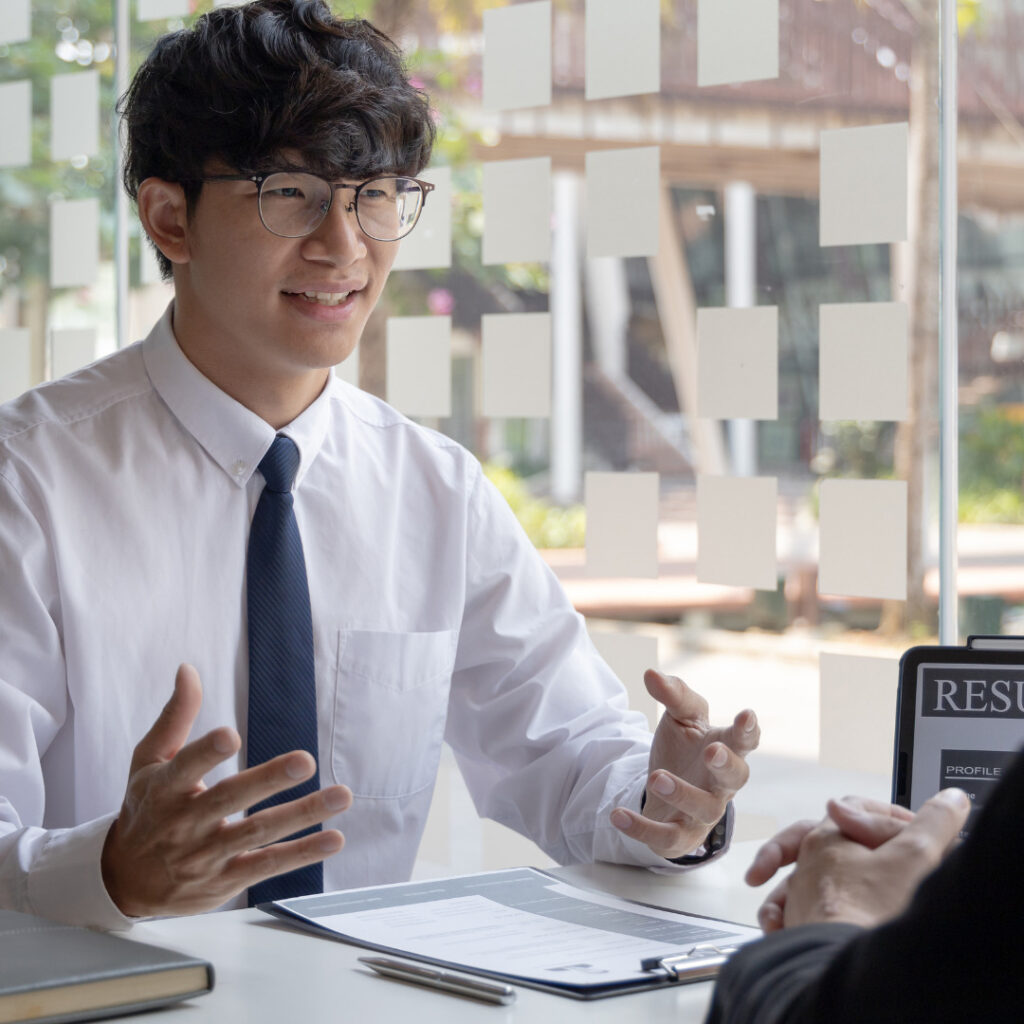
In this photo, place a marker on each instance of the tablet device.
(959, 719)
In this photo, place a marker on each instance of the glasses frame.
(259, 179)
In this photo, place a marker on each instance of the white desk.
(268, 973)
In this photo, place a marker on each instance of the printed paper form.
(517, 922)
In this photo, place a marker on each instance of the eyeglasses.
(294, 203)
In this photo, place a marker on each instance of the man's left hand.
(695, 770)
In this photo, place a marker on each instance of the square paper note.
(629, 656)
(858, 709)
(15, 362)
(71, 348)
(736, 518)
(622, 524)
(419, 365)
(738, 363)
(623, 192)
(863, 361)
(74, 242)
(517, 211)
(623, 48)
(864, 185)
(430, 243)
(863, 546)
(516, 364)
(16, 124)
(517, 56)
(75, 115)
(737, 41)
(15, 21)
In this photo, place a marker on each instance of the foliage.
(992, 464)
(547, 525)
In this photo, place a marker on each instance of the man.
(346, 584)
(849, 939)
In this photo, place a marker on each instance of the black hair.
(245, 83)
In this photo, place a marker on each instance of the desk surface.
(268, 973)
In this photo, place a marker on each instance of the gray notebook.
(54, 972)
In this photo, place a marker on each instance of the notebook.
(53, 972)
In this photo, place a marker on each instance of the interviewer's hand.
(860, 865)
(171, 849)
(695, 769)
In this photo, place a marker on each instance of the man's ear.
(164, 215)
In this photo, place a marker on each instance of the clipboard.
(959, 719)
(630, 926)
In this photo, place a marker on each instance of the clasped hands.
(860, 864)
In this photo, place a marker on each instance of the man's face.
(274, 307)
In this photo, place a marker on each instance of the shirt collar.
(233, 436)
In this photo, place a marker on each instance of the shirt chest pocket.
(390, 708)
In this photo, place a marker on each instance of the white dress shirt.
(126, 494)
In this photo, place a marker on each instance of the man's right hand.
(171, 850)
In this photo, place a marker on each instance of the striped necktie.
(282, 681)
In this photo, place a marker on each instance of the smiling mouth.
(323, 298)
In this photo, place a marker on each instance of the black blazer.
(956, 954)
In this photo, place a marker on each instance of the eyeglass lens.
(293, 204)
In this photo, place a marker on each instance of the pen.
(490, 992)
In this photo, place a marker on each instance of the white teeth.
(327, 298)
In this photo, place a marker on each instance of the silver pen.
(490, 992)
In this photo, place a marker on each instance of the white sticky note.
(75, 115)
(623, 191)
(516, 356)
(149, 268)
(430, 243)
(738, 363)
(623, 48)
(16, 123)
(419, 365)
(629, 655)
(517, 211)
(71, 348)
(862, 361)
(864, 184)
(74, 242)
(622, 524)
(348, 370)
(15, 362)
(517, 56)
(151, 10)
(15, 21)
(737, 41)
(863, 538)
(736, 525)
(858, 712)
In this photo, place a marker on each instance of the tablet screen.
(969, 724)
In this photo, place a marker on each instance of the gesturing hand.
(860, 865)
(171, 849)
(695, 768)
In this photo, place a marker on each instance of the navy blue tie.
(282, 680)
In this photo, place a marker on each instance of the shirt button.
(239, 467)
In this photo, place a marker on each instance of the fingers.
(185, 771)
(772, 913)
(279, 858)
(276, 823)
(868, 822)
(250, 787)
(744, 734)
(935, 825)
(681, 703)
(727, 769)
(170, 731)
(782, 849)
(687, 799)
(659, 835)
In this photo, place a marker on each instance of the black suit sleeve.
(953, 955)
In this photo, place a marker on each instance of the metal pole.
(122, 211)
(948, 326)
